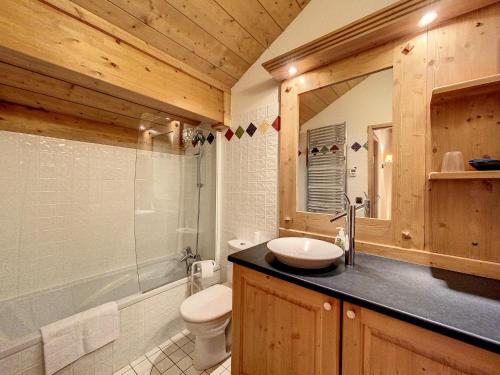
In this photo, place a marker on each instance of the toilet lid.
(207, 305)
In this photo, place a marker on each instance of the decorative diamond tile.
(263, 127)
(366, 145)
(229, 134)
(194, 141)
(314, 151)
(202, 139)
(239, 132)
(277, 124)
(356, 146)
(324, 150)
(300, 152)
(334, 148)
(210, 138)
(251, 129)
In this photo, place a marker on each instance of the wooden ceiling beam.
(383, 26)
(43, 39)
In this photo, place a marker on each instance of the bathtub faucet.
(189, 257)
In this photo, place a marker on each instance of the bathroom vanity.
(381, 316)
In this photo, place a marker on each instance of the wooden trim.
(467, 175)
(97, 22)
(448, 262)
(16, 118)
(390, 23)
(483, 85)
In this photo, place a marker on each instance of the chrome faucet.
(189, 257)
(350, 214)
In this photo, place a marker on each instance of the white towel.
(62, 343)
(101, 325)
(69, 339)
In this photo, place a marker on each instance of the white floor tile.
(177, 355)
(188, 348)
(123, 370)
(174, 370)
(164, 365)
(185, 363)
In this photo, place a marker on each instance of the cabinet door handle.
(350, 314)
(327, 306)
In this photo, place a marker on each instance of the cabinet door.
(373, 343)
(282, 329)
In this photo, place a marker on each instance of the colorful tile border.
(263, 128)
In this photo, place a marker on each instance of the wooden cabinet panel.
(377, 344)
(282, 329)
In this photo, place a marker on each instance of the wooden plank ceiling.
(219, 38)
(315, 101)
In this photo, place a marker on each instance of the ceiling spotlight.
(292, 70)
(427, 18)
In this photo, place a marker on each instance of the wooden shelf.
(466, 175)
(478, 86)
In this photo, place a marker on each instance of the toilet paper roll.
(207, 269)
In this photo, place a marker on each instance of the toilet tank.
(233, 246)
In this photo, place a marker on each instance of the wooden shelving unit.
(483, 85)
(466, 175)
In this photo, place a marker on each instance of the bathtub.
(21, 317)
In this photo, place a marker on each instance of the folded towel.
(101, 325)
(69, 339)
(62, 343)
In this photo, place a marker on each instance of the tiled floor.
(173, 357)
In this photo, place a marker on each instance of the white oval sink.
(304, 252)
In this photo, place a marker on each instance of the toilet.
(207, 315)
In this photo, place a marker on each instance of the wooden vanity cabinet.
(282, 329)
(374, 343)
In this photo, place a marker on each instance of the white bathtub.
(22, 317)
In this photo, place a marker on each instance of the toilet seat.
(207, 305)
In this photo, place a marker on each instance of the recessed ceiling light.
(167, 118)
(292, 70)
(142, 127)
(427, 18)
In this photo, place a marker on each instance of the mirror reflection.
(345, 146)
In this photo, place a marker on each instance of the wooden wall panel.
(41, 38)
(445, 224)
(409, 127)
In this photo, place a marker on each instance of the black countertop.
(458, 305)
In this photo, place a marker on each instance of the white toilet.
(207, 315)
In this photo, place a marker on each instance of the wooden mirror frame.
(292, 221)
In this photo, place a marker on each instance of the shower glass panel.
(174, 200)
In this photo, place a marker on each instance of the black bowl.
(485, 164)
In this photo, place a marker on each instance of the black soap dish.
(485, 164)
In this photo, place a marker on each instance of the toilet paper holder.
(203, 272)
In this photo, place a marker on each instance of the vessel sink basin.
(302, 252)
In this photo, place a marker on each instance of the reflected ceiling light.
(142, 127)
(427, 18)
(292, 70)
(302, 79)
(388, 159)
(167, 118)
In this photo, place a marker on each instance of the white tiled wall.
(144, 325)
(250, 179)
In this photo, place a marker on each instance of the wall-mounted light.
(427, 18)
(292, 70)
(388, 159)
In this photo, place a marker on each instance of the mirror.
(345, 146)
